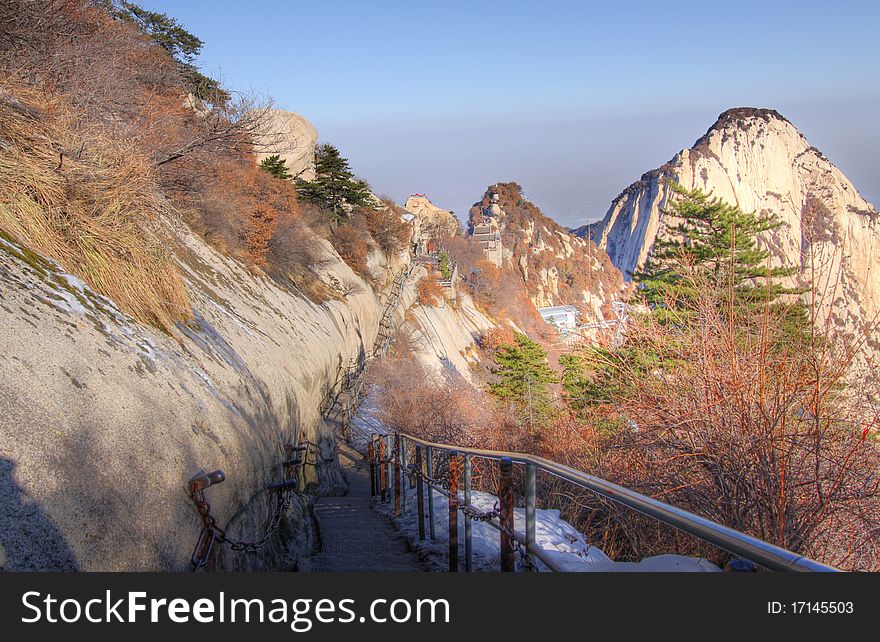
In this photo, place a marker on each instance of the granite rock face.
(756, 159)
(293, 138)
(431, 222)
(104, 420)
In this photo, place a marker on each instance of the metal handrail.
(751, 548)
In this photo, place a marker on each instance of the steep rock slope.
(447, 335)
(758, 160)
(557, 266)
(103, 420)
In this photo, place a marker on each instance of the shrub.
(294, 257)
(429, 290)
(240, 206)
(352, 244)
(444, 263)
(497, 336)
(769, 433)
(442, 407)
(390, 232)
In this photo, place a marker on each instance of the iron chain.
(212, 533)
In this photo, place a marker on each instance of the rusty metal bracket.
(202, 480)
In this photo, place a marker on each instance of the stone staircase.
(353, 536)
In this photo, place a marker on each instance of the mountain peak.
(742, 119)
(740, 114)
(757, 160)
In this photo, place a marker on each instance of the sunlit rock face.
(104, 419)
(557, 267)
(292, 137)
(432, 222)
(758, 160)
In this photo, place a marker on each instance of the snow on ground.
(552, 533)
(559, 539)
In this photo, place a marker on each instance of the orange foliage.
(440, 407)
(387, 228)
(353, 246)
(496, 337)
(429, 290)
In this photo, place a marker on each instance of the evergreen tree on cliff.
(524, 377)
(717, 243)
(276, 166)
(169, 34)
(335, 187)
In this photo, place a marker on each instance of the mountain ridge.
(756, 158)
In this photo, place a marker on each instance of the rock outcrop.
(756, 159)
(431, 222)
(293, 138)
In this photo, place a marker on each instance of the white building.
(562, 317)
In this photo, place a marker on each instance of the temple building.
(487, 233)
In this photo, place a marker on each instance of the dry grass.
(83, 199)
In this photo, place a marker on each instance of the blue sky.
(573, 100)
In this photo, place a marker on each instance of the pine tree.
(444, 264)
(276, 166)
(335, 186)
(718, 242)
(524, 377)
(169, 34)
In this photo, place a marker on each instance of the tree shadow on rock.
(29, 539)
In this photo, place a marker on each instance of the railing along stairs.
(399, 461)
(342, 396)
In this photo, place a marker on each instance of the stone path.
(354, 536)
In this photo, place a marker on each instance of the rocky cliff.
(431, 222)
(557, 266)
(756, 159)
(103, 419)
(292, 137)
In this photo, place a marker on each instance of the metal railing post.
(404, 485)
(371, 453)
(735, 542)
(383, 482)
(420, 493)
(505, 499)
(429, 452)
(468, 544)
(453, 511)
(388, 446)
(531, 474)
(397, 474)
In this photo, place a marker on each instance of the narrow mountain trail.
(352, 535)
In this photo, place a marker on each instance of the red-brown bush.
(429, 290)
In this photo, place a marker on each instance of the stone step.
(353, 535)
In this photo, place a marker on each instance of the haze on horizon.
(573, 102)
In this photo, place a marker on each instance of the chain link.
(212, 534)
